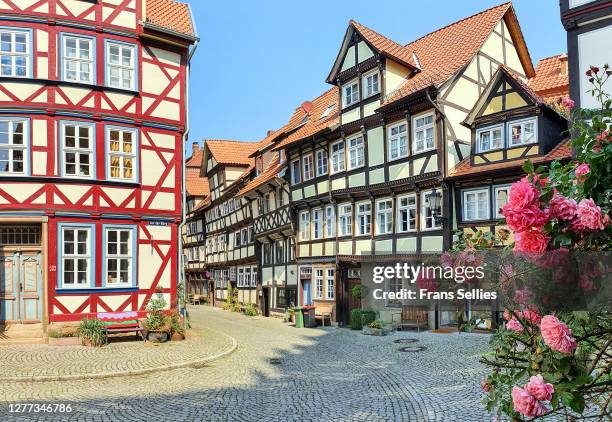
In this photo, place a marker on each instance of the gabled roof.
(316, 122)
(551, 79)
(449, 49)
(196, 185)
(196, 159)
(562, 151)
(169, 14)
(236, 153)
(502, 72)
(271, 172)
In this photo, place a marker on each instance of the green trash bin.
(299, 317)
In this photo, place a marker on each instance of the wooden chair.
(413, 317)
(323, 311)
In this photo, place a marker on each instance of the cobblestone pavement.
(279, 373)
(42, 361)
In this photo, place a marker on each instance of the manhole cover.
(412, 349)
(275, 361)
(405, 340)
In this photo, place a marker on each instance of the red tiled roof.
(551, 80)
(170, 14)
(383, 44)
(232, 152)
(445, 51)
(268, 174)
(196, 185)
(562, 151)
(315, 122)
(196, 159)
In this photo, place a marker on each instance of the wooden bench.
(121, 322)
(413, 317)
(323, 311)
(195, 299)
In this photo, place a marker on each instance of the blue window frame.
(122, 154)
(14, 146)
(119, 252)
(76, 256)
(77, 58)
(121, 65)
(16, 52)
(77, 149)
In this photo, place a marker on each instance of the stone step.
(21, 331)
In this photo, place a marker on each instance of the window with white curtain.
(476, 204)
(490, 138)
(321, 162)
(423, 133)
(330, 221)
(384, 216)
(356, 152)
(305, 225)
(345, 220)
(397, 141)
(317, 223)
(337, 157)
(406, 213)
(363, 215)
(308, 167)
(523, 132)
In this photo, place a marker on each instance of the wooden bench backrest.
(323, 308)
(412, 313)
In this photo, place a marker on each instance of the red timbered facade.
(92, 124)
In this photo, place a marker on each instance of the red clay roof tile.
(268, 174)
(170, 14)
(385, 45)
(551, 80)
(232, 152)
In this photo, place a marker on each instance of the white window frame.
(13, 54)
(318, 284)
(321, 162)
(495, 203)
(304, 225)
(11, 147)
(476, 193)
(366, 83)
(416, 130)
(356, 150)
(364, 214)
(489, 130)
(89, 61)
(352, 98)
(75, 257)
(77, 150)
(397, 139)
(338, 158)
(425, 217)
(522, 124)
(316, 224)
(296, 173)
(330, 284)
(330, 221)
(406, 208)
(308, 167)
(386, 215)
(133, 155)
(345, 220)
(132, 67)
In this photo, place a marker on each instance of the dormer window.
(327, 111)
(490, 138)
(371, 84)
(523, 132)
(350, 93)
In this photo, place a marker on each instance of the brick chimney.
(195, 148)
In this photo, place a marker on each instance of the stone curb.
(196, 363)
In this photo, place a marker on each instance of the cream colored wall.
(363, 52)
(150, 262)
(395, 74)
(349, 59)
(351, 116)
(233, 173)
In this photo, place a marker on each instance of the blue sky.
(258, 60)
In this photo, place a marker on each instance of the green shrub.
(250, 310)
(55, 333)
(368, 316)
(356, 319)
(92, 332)
(156, 320)
(359, 291)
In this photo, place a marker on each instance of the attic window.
(304, 119)
(328, 110)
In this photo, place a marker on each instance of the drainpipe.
(181, 261)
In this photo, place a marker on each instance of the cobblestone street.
(280, 373)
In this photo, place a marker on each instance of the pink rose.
(603, 136)
(581, 172)
(486, 387)
(530, 241)
(526, 404)
(523, 194)
(567, 103)
(596, 147)
(562, 208)
(524, 218)
(590, 216)
(539, 389)
(532, 316)
(515, 325)
(557, 335)
(523, 296)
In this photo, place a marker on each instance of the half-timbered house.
(230, 248)
(197, 196)
(375, 148)
(92, 120)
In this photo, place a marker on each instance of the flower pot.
(64, 341)
(178, 336)
(157, 336)
(374, 331)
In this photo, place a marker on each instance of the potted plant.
(63, 337)
(375, 328)
(92, 332)
(158, 327)
(176, 326)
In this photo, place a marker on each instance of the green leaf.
(566, 398)
(528, 167)
(555, 401)
(577, 404)
(582, 380)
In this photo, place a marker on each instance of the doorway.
(265, 305)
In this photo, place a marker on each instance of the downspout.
(181, 261)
